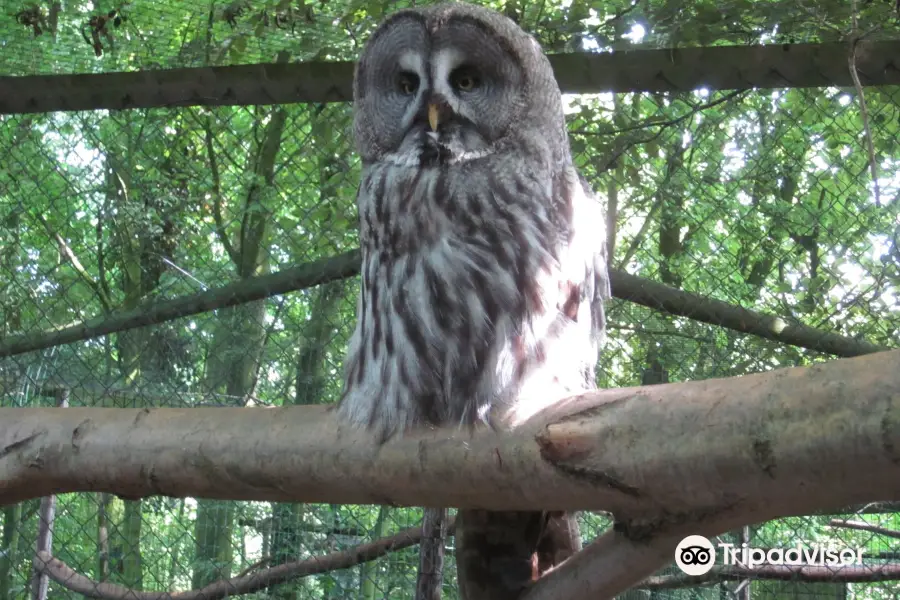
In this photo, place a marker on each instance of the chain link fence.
(763, 199)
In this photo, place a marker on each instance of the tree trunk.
(368, 571)
(233, 360)
(9, 549)
(102, 537)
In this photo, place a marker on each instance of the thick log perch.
(722, 451)
(667, 460)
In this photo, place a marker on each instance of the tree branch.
(624, 562)
(735, 451)
(101, 250)
(716, 312)
(861, 526)
(598, 451)
(659, 122)
(649, 220)
(627, 287)
(153, 313)
(863, 110)
(221, 231)
(800, 574)
(67, 251)
(255, 581)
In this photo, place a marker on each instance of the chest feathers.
(479, 298)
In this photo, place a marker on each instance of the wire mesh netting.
(782, 201)
(43, 37)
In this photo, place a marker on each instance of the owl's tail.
(498, 554)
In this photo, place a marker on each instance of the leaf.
(239, 45)
(634, 174)
(783, 287)
(375, 9)
(579, 11)
(709, 14)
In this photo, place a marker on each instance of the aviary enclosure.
(177, 186)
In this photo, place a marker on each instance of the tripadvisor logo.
(696, 555)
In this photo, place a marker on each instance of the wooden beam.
(728, 68)
(625, 286)
(240, 85)
(716, 68)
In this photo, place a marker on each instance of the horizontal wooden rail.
(625, 286)
(666, 70)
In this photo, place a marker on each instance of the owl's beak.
(433, 116)
(437, 110)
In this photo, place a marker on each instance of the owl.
(484, 269)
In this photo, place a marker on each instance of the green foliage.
(168, 33)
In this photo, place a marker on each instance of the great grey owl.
(484, 269)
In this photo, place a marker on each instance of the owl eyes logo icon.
(695, 555)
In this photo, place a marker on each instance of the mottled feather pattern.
(467, 279)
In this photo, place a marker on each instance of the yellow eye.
(407, 83)
(464, 79)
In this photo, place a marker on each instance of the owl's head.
(451, 83)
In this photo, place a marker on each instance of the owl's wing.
(597, 285)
